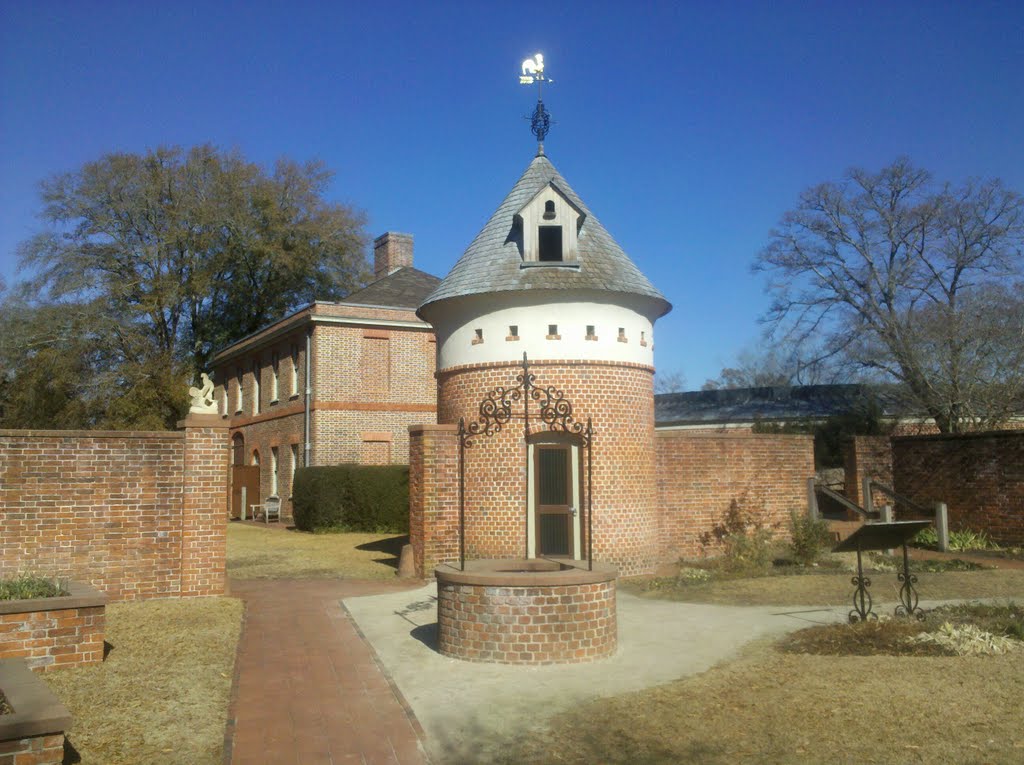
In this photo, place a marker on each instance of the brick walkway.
(308, 689)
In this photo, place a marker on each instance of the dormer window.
(549, 225)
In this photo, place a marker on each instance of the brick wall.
(203, 524)
(980, 477)
(52, 633)
(33, 750)
(620, 399)
(433, 496)
(135, 515)
(867, 457)
(700, 475)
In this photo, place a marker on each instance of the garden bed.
(786, 583)
(52, 632)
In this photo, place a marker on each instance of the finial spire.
(540, 122)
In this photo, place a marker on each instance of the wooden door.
(245, 480)
(555, 513)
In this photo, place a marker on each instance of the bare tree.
(753, 369)
(917, 283)
(669, 382)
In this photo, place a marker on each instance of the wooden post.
(865, 500)
(812, 500)
(885, 516)
(942, 525)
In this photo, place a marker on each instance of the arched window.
(255, 456)
(237, 449)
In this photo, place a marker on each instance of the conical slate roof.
(492, 261)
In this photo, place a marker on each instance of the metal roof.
(492, 261)
(746, 405)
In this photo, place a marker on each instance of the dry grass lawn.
(770, 707)
(836, 590)
(257, 553)
(162, 694)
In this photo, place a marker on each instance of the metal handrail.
(874, 516)
(900, 498)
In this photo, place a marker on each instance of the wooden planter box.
(49, 633)
(34, 733)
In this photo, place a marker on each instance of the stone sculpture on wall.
(203, 401)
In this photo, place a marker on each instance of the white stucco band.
(473, 329)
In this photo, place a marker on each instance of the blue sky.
(688, 128)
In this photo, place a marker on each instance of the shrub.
(810, 537)
(25, 586)
(370, 498)
(965, 539)
(927, 537)
(746, 541)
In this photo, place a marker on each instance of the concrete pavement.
(468, 709)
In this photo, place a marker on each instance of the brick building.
(331, 383)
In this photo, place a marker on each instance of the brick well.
(537, 617)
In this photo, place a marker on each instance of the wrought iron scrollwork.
(861, 600)
(556, 412)
(908, 597)
(495, 413)
(908, 593)
(861, 597)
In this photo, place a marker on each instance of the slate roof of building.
(405, 288)
(491, 262)
(746, 405)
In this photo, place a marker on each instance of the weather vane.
(540, 122)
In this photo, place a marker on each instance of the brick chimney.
(391, 251)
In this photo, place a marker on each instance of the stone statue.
(203, 401)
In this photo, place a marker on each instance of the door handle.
(573, 511)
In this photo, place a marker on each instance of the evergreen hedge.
(371, 498)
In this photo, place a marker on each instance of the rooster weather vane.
(540, 122)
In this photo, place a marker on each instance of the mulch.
(976, 556)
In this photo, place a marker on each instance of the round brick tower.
(545, 279)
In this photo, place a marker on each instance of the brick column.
(867, 456)
(433, 496)
(204, 503)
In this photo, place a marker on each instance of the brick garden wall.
(52, 633)
(867, 457)
(136, 515)
(33, 750)
(433, 496)
(980, 477)
(701, 474)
